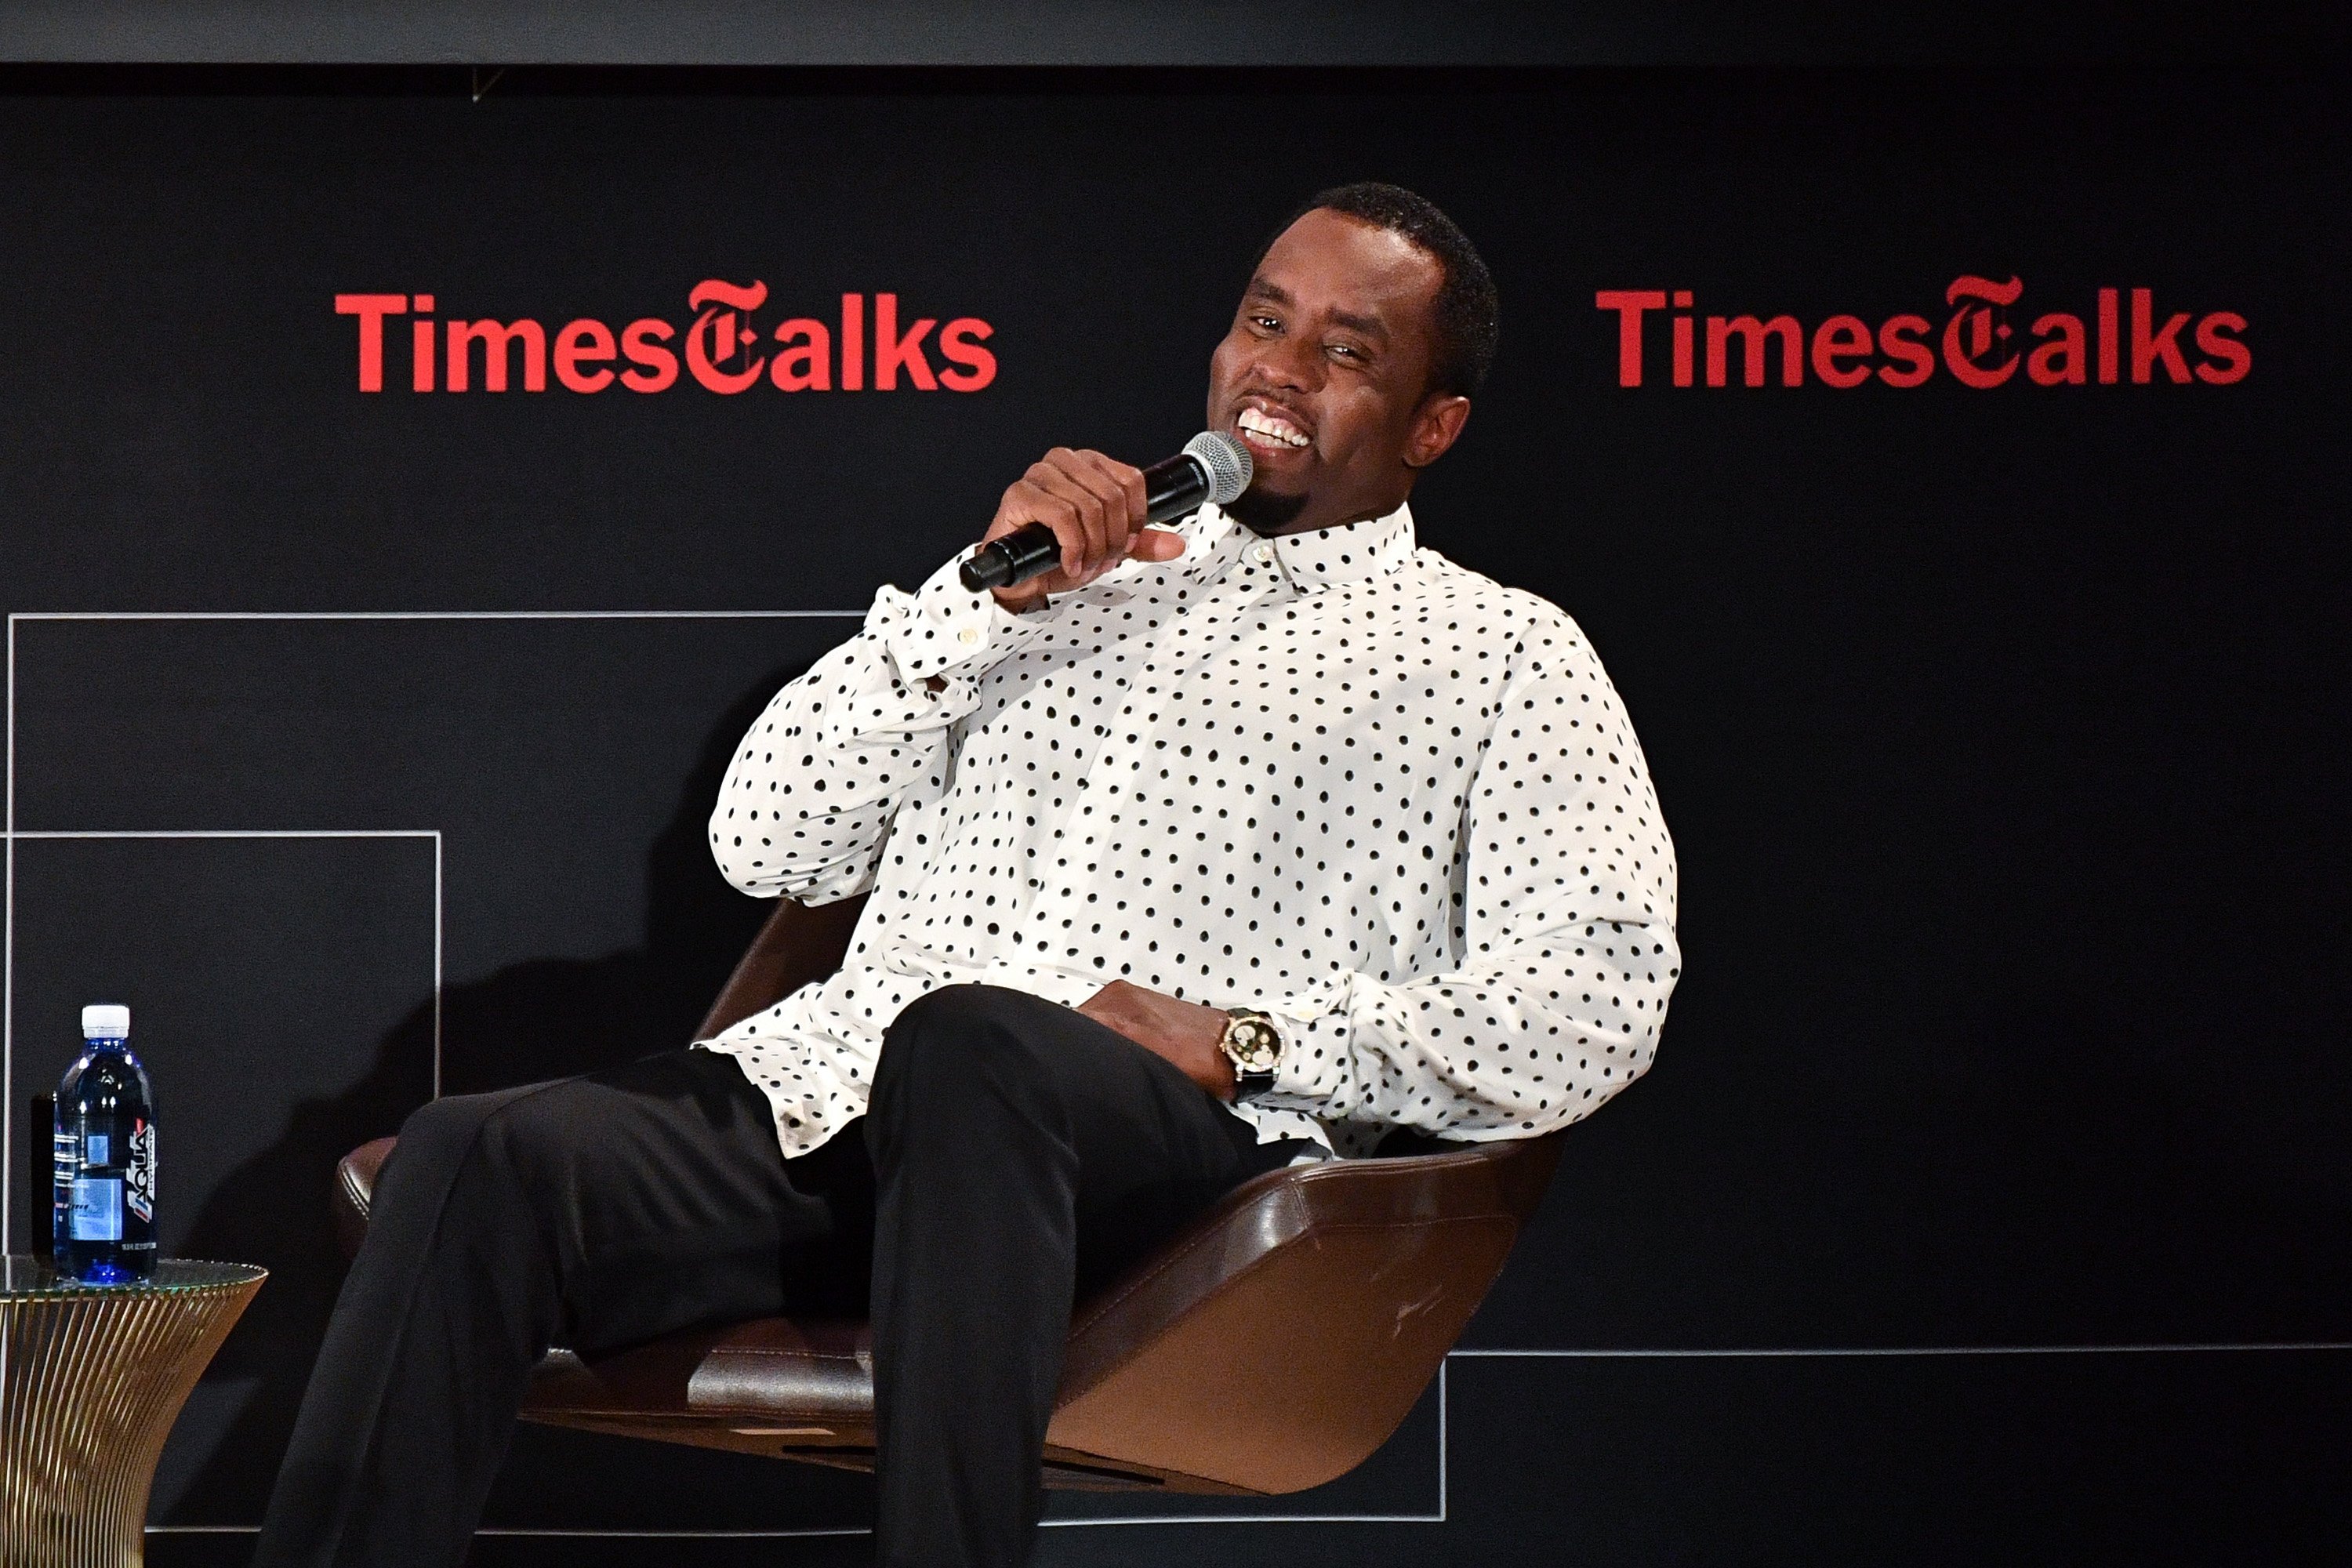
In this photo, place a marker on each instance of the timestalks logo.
(1978, 345)
(803, 355)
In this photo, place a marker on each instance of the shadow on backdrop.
(543, 1018)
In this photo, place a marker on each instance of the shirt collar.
(1315, 559)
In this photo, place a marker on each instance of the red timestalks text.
(1978, 346)
(644, 355)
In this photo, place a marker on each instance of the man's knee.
(954, 1045)
(440, 1136)
(441, 1142)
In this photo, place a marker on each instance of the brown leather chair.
(1271, 1346)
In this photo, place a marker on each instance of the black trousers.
(1013, 1154)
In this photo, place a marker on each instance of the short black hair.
(1467, 311)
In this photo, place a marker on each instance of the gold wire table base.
(92, 1378)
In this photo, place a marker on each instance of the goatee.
(1262, 511)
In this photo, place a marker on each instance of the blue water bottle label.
(94, 1148)
(97, 1211)
(140, 1178)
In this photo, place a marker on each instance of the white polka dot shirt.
(1328, 774)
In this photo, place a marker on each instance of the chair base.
(760, 1435)
(680, 1390)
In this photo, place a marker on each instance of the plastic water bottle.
(104, 1155)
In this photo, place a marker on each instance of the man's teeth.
(1273, 429)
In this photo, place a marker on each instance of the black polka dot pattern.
(1328, 774)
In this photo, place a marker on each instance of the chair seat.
(816, 1372)
(1270, 1346)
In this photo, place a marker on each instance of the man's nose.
(1292, 364)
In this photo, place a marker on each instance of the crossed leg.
(1014, 1153)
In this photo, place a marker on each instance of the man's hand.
(1094, 507)
(1185, 1033)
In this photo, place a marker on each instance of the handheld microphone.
(1211, 467)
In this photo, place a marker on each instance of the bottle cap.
(106, 1021)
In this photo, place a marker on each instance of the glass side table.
(92, 1378)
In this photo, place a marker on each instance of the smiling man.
(1221, 846)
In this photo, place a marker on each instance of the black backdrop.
(360, 741)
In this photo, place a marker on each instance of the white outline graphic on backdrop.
(11, 835)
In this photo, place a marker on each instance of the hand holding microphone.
(1076, 515)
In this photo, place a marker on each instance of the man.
(1216, 849)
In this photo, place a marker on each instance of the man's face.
(1324, 375)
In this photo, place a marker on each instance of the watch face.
(1255, 1045)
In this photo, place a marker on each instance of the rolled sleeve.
(946, 629)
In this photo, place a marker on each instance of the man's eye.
(1267, 323)
(1346, 350)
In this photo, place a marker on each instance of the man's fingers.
(1058, 477)
(1050, 501)
(1024, 503)
(1093, 505)
(1122, 488)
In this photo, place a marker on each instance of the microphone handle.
(1171, 489)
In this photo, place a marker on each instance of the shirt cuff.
(1317, 1071)
(945, 628)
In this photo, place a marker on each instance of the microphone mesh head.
(1227, 462)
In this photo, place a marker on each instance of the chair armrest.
(355, 1175)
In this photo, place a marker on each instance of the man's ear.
(1437, 426)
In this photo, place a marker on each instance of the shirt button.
(968, 635)
(1262, 554)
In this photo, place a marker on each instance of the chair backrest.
(801, 943)
(1286, 1334)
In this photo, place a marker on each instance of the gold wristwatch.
(1253, 1046)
